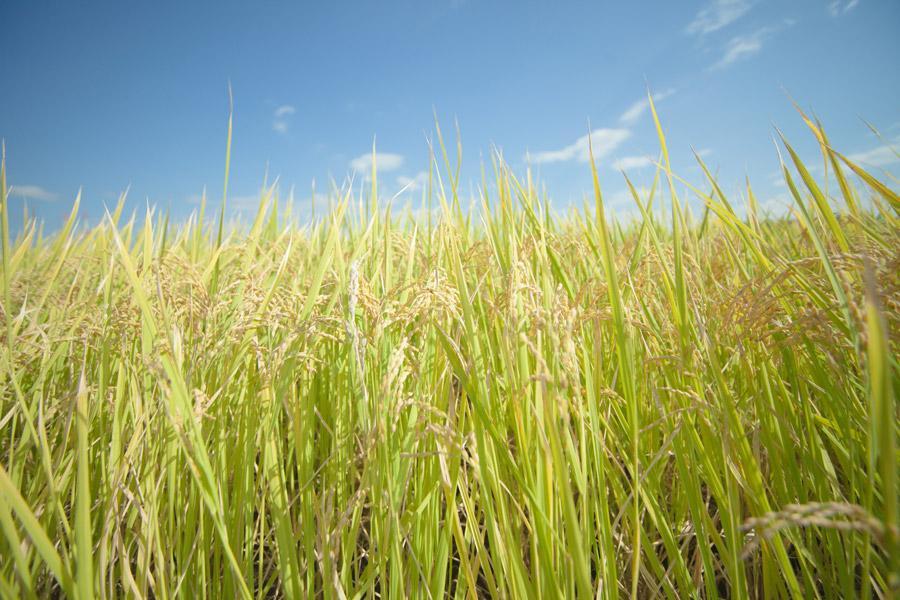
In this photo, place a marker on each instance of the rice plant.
(498, 402)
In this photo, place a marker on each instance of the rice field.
(496, 402)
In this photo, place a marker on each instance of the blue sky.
(111, 95)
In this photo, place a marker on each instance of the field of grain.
(499, 402)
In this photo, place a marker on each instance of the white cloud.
(776, 205)
(284, 110)
(414, 183)
(32, 192)
(718, 14)
(745, 46)
(619, 198)
(877, 157)
(841, 7)
(627, 163)
(280, 122)
(245, 202)
(603, 141)
(739, 48)
(620, 204)
(638, 108)
(384, 161)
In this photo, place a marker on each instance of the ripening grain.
(503, 403)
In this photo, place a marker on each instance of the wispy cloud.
(744, 46)
(628, 163)
(841, 7)
(621, 204)
(776, 205)
(384, 161)
(881, 156)
(284, 110)
(603, 141)
(281, 117)
(32, 192)
(414, 183)
(245, 202)
(718, 14)
(639, 107)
